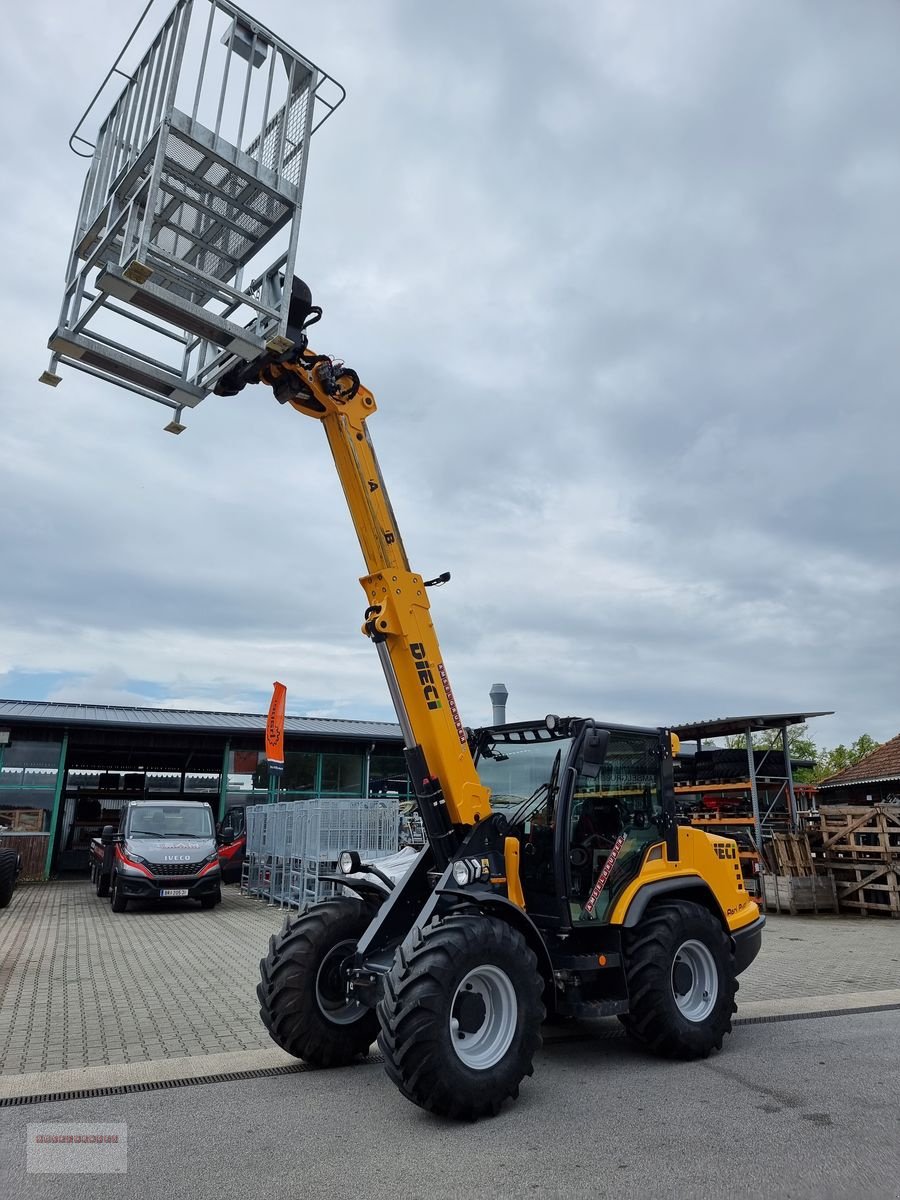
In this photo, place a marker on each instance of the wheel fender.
(374, 894)
(684, 887)
(498, 906)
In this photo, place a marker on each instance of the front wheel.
(101, 881)
(461, 1015)
(212, 899)
(303, 992)
(681, 981)
(117, 900)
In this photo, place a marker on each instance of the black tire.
(9, 861)
(626, 1021)
(212, 899)
(117, 901)
(101, 882)
(423, 993)
(300, 991)
(662, 983)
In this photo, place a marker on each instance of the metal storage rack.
(190, 212)
(292, 844)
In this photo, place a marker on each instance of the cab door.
(614, 813)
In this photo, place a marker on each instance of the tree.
(800, 743)
(841, 757)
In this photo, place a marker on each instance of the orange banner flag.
(275, 730)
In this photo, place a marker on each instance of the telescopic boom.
(397, 617)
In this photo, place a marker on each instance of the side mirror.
(107, 835)
(226, 837)
(593, 752)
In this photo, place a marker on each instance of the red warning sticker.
(605, 873)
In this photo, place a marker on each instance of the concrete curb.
(159, 1070)
(800, 1005)
(41, 1083)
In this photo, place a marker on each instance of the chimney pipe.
(499, 694)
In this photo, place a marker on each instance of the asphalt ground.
(802, 1108)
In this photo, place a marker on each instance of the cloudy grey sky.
(625, 280)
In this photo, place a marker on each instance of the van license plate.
(173, 891)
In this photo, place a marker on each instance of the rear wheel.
(681, 981)
(461, 1015)
(9, 860)
(117, 900)
(302, 991)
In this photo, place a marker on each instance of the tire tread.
(286, 990)
(653, 1020)
(412, 1013)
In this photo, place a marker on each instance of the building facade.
(67, 769)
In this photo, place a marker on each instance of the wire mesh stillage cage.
(188, 225)
(291, 845)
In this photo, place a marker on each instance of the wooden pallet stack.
(858, 848)
(791, 882)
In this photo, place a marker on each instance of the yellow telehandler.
(555, 881)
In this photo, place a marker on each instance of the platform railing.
(194, 188)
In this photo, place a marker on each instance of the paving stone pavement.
(823, 956)
(83, 986)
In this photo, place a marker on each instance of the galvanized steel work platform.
(190, 212)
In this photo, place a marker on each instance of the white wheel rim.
(483, 1017)
(695, 980)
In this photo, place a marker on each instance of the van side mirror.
(107, 835)
(593, 752)
(226, 837)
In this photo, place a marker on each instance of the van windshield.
(170, 821)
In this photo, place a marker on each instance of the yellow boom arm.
(397, 618)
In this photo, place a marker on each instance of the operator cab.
(581, 798)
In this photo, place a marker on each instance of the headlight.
(461, 873)
(349, 862)
(214, 857)
(137, 858)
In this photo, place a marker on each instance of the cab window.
(612, 820)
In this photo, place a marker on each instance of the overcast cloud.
(625, 280)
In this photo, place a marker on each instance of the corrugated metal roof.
(124, 717)
(726, 726)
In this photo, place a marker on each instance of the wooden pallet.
(797, 894)
(869, 888)
(792, 855)
(858, 832)
(852, 851)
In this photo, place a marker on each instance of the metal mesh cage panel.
(291, 844)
